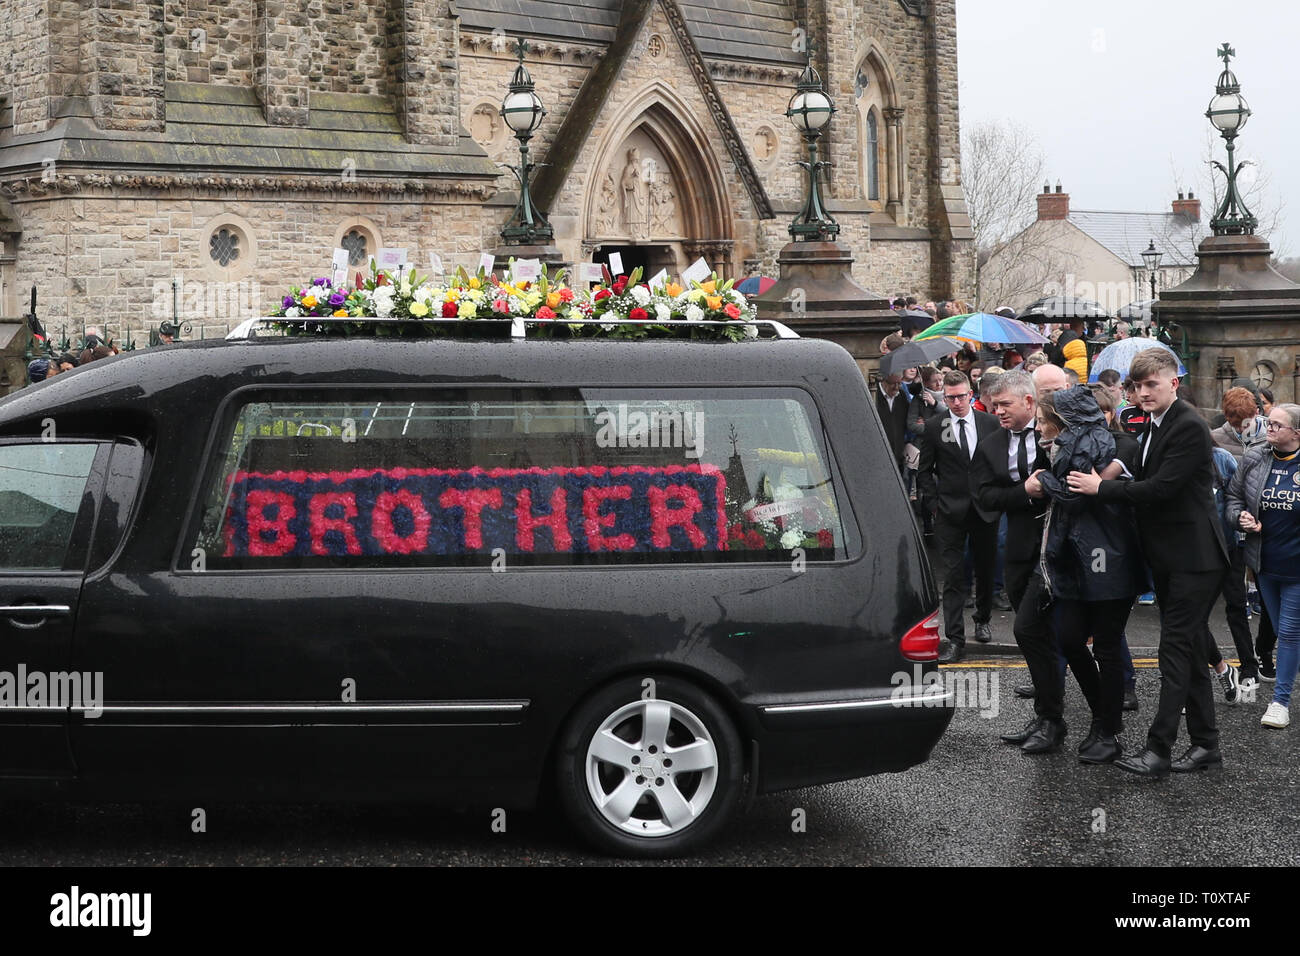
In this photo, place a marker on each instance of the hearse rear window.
(519, 476)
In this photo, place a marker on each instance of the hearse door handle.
(39, 611)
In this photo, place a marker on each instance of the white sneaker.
(1276, 716)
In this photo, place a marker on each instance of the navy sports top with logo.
(1279, 514)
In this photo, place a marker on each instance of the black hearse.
(651, 577)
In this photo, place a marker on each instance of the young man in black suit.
(944, 476)
(1002, 474)
(892, 407)
(1182, 538)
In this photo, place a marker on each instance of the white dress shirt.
(971, 440)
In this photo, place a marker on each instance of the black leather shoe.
(1046, 739)
(1020, 736)
(1026, 691)
(1103, 749)
(1001, 601)
(1148, 764)
(1198, 758)
(983, 632)
(1094, 731)
(1131, 701)
(952, 654)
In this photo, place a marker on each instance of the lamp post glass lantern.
(1228, 113)
(810, 111)
(523, 112)
(1151, 256)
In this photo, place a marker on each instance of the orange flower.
(309, 301)
(714, 302)
(340, 314)
(673, 289)
(709, 288)
(553, 299)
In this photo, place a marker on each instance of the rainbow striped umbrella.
(983, 327)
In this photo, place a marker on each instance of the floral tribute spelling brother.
(625, 306)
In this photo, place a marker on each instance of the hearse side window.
(520, 476)
(41, 489)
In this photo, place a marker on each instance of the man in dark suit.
(1002, 474)
(892, 405)
(1182, 538)
(944, 476)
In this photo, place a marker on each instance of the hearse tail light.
(921, 643)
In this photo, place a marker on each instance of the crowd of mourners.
(94, 346)
(1067, 501)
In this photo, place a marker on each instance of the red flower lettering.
(593, 521)
(473, 501)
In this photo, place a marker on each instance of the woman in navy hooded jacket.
(1090, 562)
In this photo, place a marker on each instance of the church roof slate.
(726, 29)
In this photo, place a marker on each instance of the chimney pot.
(1189, 208)
(1058, 185)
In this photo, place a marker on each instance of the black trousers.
(1234, 609)
(953, 535)
(1101, 673)
(1036, 639)
(1186, 599)
(1267, 639)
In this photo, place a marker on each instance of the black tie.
(1022, 456)
(965, 445)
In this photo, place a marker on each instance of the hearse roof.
(192, 378)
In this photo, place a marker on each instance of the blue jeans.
(1282, 598)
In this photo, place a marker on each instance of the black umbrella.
(1057, 307)
(918, 353)
(1137, 311)
(911, 321)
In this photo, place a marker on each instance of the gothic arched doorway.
(656, 191)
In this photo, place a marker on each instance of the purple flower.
(337, 299)
(320, 281)
(288, 302)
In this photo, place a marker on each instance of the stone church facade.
(204, 155)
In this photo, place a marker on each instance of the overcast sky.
(1116, 91)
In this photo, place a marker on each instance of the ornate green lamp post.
(1228, 113)
(523, 112)
(810, 110)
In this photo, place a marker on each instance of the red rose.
(736, 531)
(449, 310)
(381, 279)
(566, 295)
(620, 285)
(732, 310)
(638, 314)
(602, 294)
(755, 540)
(545, 313)
(825, 539)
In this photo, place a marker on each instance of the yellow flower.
(309, 301)
(467, 310)
(341, 314)
(474, 283)
(453, 295)
(714, 302)
(419, 309)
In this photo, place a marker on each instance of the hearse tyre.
(651, 767)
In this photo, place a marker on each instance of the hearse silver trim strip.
(39, 610)
(505, 706)
(911, 700)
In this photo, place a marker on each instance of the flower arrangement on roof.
(625, 306)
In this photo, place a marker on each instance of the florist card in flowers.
(340, 267)
(487, 262)
(590, 272)
(435, 264)
(615, 264)
(526, 270)
(658, 280)
(698, 272)
(391, 258)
